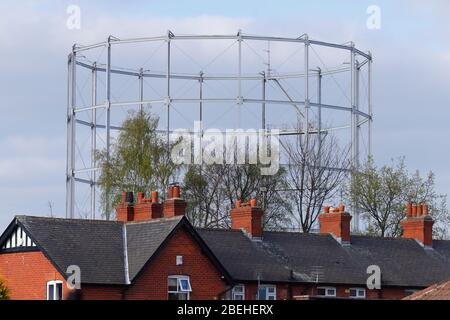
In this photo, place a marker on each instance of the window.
(267, 292)
(54, 290)
(179, 287)
(239, 292)
(358, 293)
(326, 291)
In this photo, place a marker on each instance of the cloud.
(411, 81)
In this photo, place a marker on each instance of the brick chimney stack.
(336, 222)
(125, 210)
(143, 210)
(418, 224)
(174, 205)
(248, 217)
(147, 208)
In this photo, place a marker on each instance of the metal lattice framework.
(299, 89)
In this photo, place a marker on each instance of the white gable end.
(18, 239)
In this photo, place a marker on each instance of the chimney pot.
(409, 210)
(326, 209)
(129, 197)
(419, 210)
(341, 208)
(170, 192)
(425, 210)
(238, 203)
(140, 197)
(176, 192)
(253, 203)
(155, 196)
(414, 210)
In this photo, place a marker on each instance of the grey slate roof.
(95, 246)
(298, 257)
(98, 248)
(144, 238)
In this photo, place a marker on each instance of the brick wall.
(26, 275)
(205, 279)
(94, 292)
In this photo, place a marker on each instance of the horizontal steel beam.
(236, 37)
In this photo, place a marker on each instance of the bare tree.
(316, 170)
(203, 187)
(212, 190)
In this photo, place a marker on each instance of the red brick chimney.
(125, 210)
(248, 217)
(418, 224)
(336, 222)
(145, 209)
(174, 205)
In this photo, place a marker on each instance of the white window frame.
(54, 283)
(358, 290)
(268, 294)
(235, 293)
(180, 289)
(326, 291)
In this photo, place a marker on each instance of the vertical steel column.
(200, 105)
(200, 80)
(141, 88)
(263, 97)
(369, 96)
(319, 109)
(239, 98)
(70, 166)
(353, 102)
(307, 89)
(169, 36)
(353, 122)
(93, 138)
(108, 115)
(357, 126)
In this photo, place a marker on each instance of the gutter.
(125, 254)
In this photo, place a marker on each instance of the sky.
(411, 84)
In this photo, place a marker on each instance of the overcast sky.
(411, 75)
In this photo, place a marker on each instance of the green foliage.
(381, 193)
(4, 292)
(139, 161)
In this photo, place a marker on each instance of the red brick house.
(153, 252)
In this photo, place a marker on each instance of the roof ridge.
(175, 218)
(68, 219)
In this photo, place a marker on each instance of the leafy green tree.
(381, 193)
(139, 161)
(4, 292)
